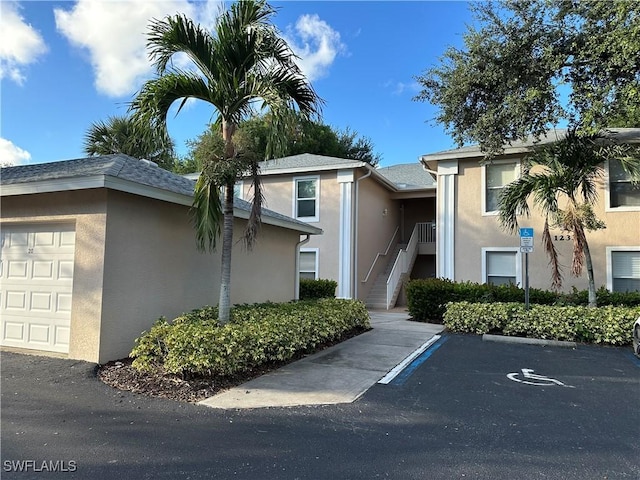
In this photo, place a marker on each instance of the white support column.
(345, 240)
(445, 245)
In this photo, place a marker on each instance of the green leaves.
(527, 65)
(195, 344)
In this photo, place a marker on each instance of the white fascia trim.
(502, 249)
(635, 248)
(311, 169)
(96, 181)
(280, 222)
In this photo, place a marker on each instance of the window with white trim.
(624, 269)
(306, 198)
(622, 192)
(308, 264)
(497, 175)
(501, 266)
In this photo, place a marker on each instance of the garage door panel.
(17, 269)
(37, 285)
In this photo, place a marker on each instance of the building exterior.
(95, 250)
(471, 245)
(368, 217)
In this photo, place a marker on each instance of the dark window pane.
(626, 284)
(624, 194)
(306, 208)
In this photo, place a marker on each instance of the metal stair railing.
(404, 261)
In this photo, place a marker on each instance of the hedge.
(194, 343)
(603, 325)
(427, 299)
(315, 289)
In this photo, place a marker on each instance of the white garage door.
(36, 282)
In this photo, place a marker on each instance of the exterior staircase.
(377, 298)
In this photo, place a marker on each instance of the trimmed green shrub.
(320, 288)
(604, 325)
(194, 343)
(427, 299)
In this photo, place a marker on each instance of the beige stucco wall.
(152, 268)
(473, 231)
(278, 193)
(375, 230)
(87, 210)
(135, 260)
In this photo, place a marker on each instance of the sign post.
(526, 247)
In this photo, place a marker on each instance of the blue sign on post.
(526, 232)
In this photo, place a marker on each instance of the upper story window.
(622, 193)
(496, 176)
(307, 198)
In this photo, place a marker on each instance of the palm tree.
(242, 64)
(561, 178)
(122, 134)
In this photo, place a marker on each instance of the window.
(501, 266)
(306, 198)
(308, 263)
(238, 190)
(622, 193)
(497, 175)
(623, 269)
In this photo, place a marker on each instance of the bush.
(194, 343)
(604, 325)
(427, 299)
(315, 289)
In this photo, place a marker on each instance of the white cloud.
(20, 43)
(400, 87)
(316, 43)
(10, 154)
(114, 34)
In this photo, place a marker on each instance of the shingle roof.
(408, 176)
(125, 168)
(117, 166)
(307, 161)
(619, 135)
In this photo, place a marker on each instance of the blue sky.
(64, 65)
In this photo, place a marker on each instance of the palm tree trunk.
(224, 303)
(593, 301)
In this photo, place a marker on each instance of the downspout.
(355, 236)
(297, 272)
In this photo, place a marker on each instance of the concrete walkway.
(339, 374)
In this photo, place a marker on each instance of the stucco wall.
(152, 268)
(278, 193)
(87, 210)
(375, 230)
(136, 260)
(474, 231)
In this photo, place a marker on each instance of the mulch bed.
(120, 374)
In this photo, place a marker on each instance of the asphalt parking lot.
(464, 409)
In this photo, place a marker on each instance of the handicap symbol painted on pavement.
(529, 378)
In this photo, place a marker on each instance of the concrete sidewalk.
(339, 374)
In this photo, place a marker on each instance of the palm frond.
(255, 217)
(513, 202)
(554, 261)
(156, 96)
(206, 213)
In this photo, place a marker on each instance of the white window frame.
(316, 217)
(239, 185)
(517, 169)
(515, 250)
(607, 195)
(311, 250)
(610, 262)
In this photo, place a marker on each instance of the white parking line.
(402, 365)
